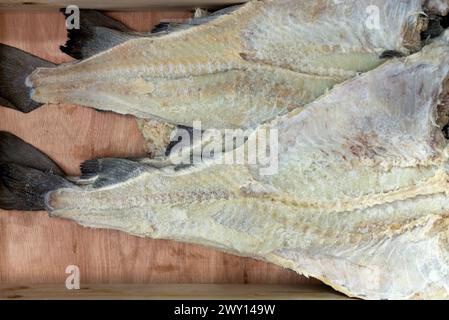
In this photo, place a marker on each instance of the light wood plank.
(175, 292)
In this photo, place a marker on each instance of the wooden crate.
(35, 250)
(118, 4)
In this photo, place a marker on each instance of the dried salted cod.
(358, 196)
(241, 68)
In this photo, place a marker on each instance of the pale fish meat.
(236, 69)
(359, 198)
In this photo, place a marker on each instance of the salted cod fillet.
(242, 68)
(359, 199)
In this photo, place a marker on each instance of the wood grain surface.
(172, 291)
(36, 249)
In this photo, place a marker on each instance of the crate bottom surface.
(170, 291)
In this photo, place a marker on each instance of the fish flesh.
(358, 193)
(242, 68)
(359, 200)
(235, 68)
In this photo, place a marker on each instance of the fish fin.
(388, 54)
(436, 26)
(26, 175)
(15, 66)
(25, 188)
(15, 150)
(168, 27)
(98, 32)
(109, 170)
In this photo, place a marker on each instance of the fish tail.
(15, 66)
(26, 175)
(97, 32)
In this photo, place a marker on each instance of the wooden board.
(116, 4)
(36, 249)
(173, 291)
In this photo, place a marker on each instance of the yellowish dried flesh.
(240, 69)
(359, 200)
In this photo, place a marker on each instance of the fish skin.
(291, 51)
(377, 228)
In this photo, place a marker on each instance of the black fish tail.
(15, 66)
(26, 175)
(97, 32)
